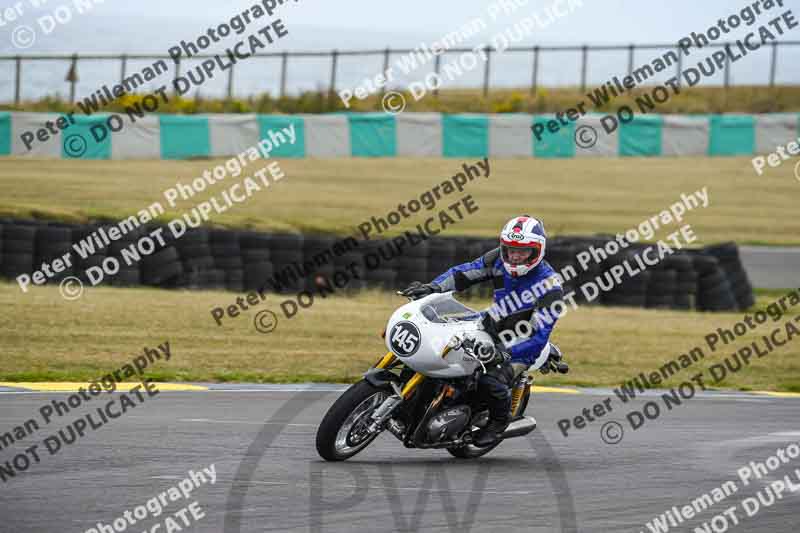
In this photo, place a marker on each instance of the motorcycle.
(424, 390)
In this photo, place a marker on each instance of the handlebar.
(400, 293)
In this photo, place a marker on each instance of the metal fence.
(535, 53)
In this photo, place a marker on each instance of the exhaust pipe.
(520, 427)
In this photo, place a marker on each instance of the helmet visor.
(521, 255)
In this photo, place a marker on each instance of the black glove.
(418, 290)
(555, 364)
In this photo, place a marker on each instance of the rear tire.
(332, 434)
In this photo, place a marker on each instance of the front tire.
(340, 434)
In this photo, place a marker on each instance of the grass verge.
(45, 338)
(572, 196)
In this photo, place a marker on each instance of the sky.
(153, 26)
(592, 21)
(596, 21)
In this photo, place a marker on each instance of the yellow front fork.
(387, 360)
(412, 383)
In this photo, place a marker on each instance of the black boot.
(491, 433)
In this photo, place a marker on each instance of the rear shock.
(518, 392)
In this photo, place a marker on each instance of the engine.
(448, 424)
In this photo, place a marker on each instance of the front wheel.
(343, 431)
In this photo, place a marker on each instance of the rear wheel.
(343, 431)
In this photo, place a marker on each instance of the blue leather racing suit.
(515, 299)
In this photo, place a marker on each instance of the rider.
(525, 284)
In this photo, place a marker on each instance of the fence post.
(773, 64)
(385, 68)
(487, 70)
(177, 74)
(334, 61)
(535, 75)
(584, 58)
(680, 65)
(122, 70)
(17, 80)
(727, 72)
(72, 77)
(284, 67)
(437, 66)
(230, 83)
(631, 49)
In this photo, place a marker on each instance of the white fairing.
(419, 331)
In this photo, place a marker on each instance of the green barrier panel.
(5, 133)
(465, 136)
(641, 137)
(184, 136)
(732, 135)
(553, 145)
(88, 138)
(276, 124)
(373, 135)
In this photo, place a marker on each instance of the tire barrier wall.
(707, 279)
(403, 135)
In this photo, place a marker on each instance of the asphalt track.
(772, 267)
(269, 477)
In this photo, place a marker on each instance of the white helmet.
(522, 233)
